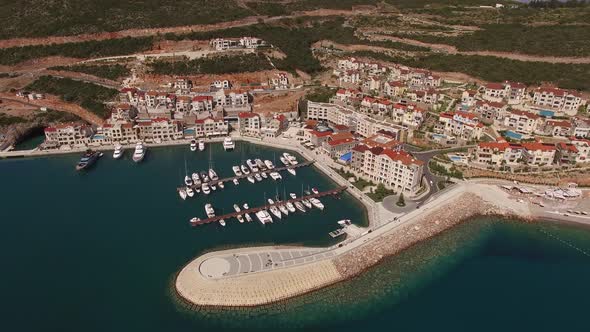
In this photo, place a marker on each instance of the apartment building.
(122, 132)
(557, 128)
(581, 127)
(182, 84)
(338, 144)
(319, 111)
(158, 130)
(201, 104)
(249, 124)
(408, 115)
(522, 122)
(397, 170)
(222, 44)
(539, 154)
(490, 111)
(394, 88)
(460, 124)
(220, 84)
(498, 153)
(210, 126)
(279, 81)
(349, 77)
(68, 134)
(566, 101)
(495, 92)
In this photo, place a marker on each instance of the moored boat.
(344, 222)
(275, 176)
(220, 184)
(252, 165)
(284, 161)
(283, 209)
(290, 207)
(188, 181)
(201, 145)
(118, 153)
(213, 187)
(251, 179)
(257, 177)
(139, 152)
(196, 179)
(264, 217)
(237, 170)
(236, 182)
(315, 190)
(212, 175)
(222, 222)
(228, 144)
(316, 202)
(292, 195)
(292, 171)
(194, 221)
(299, 206)
(237, 208)
(204, 176)
(307, 203)
(264, 175)
(209, 210)
(291, 159)
(248, 218)
(206, 190)
(269, 164)
(87, 160)
(182, 193)
(244, 169)
(193, 145)
(190, 192)
(273, 209)
(260, 164)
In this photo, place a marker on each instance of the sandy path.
(250, 20)
(506, 55)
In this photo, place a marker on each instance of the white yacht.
(264, 217)
(273, 209)
(206, 189)
(236, 182)
(228, 144)
(260, 164)
(220, 184)
(315, 190)
(237, 208)
(213, 187)
(182, 193)
(196, 178)
(292, 195)
(252, 165)
(251, 179)
(264, 175)
(240, 218)
(290, 207)
(139, 152)
(204, 176)
(201, 145)
(292, 171)
(212, 175)
(193, 145)
(237, 170)
(316, 202)
(188, 181)
(245, 206)
(209, 210)
(299, 206)
(222, 222)
(269, 164)
(275, 176)
(292, 160)
(118, 153)
(248, 218)
(195, 220)
(284, 161)
(244, 169)
(257, 177)
(190, 192)
(344, 222)
(283, 210)
(306, 203)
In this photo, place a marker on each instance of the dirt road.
(53, 102)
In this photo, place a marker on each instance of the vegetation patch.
(380, 193)
(443, 171)
(494, 69)
(321, 94)
(111, 72)
(215, 65)
(7, 120)
(89, 96)
(88, 49)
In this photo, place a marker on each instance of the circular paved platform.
(215, 267)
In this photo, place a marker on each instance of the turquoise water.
(98, 251)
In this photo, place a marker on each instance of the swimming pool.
(513, 135)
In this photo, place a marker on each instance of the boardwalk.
(256, 209)
(243, 176)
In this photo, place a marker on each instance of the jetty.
(337, 233)
(243, 176)
(264, 207)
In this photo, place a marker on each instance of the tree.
(401, 201)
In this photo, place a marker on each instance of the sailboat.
(187, 179)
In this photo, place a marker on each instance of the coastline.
(350, 260)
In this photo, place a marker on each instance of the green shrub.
(111, 72)
(214, 65)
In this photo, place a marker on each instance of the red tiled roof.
(495, 86)
(340, 141)
(341, 127)
(567, 147)
(404, 157)
(321, 134)
(536, 146)
(559, 123)
(202, 98)
(244, 115)
(50, 129)
(360, 148)
(525, 114)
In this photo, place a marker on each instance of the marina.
(210, 219)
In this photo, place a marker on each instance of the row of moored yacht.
(199, 182)
(277, 209)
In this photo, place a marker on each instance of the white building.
(566, 101)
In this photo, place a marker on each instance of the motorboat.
(201, 145)
(236, 182)
(182, 193)
(228, 144)
(213, 187)
(139, 152)
(275, 176)
(251, 179)
(237, 208)
(315, 190)
(188, 181)
(307, 203)
(252, 165)
(299, 206)
(220, 184)
(237, 170)
(204, 176)
(87, 160)
(284, 161)
(292, 171)
(194, 221)
(206, 190)
(248, 218)
(257, 177)
(260, 164)
(245, 206)
(190, 192)
(316, 202)
(264, 217)
(209, 210)
(193, 145)
(212, 175)
(283, 209)
(269, 164)
(264, 175)
(244, 169)
(273, 209)
(292, 160)
(118, 153)
(290, 207)
(344, 222)
(292, 195)
(222, 222)
(240, 218)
